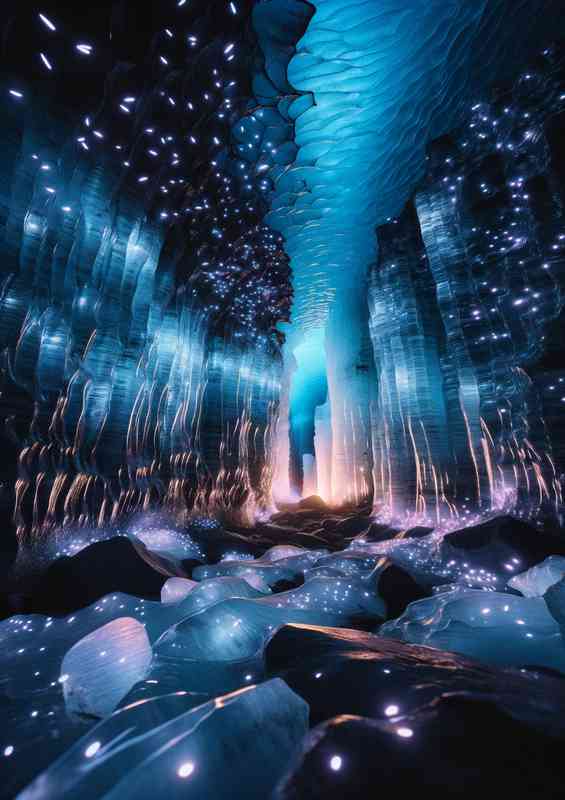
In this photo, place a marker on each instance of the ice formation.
(537, 580)
(99, 670)
(281, 390)
(514, 631)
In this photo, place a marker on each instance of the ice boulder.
(103, 666)
(168, 551)
(176, 589)
(493, 627)
(222, 647)
(535, 581)
(236, 746)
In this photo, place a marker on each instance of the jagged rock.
(398, 589)
(456, 747)
(313, 503)
(100, 569)
(340, 671)
(484, 555)
(376, 532)
(352, 526)
(417, 532)
(505, 537)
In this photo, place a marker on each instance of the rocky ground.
(320, 654)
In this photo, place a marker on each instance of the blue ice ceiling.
(386, 77)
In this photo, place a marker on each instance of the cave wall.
(140, 288)
(466, 299)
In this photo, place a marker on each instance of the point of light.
(47, 22)
(335, 763)
(46, 61)
(92, 749)
(185, 769)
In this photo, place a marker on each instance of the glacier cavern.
(282, 399)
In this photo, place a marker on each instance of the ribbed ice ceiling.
(386, 78)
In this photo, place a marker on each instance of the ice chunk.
(279, 551)
(535, 581)
(349, 563)
(32, 646)
(77, 767)
(345, 599)
(101, 668)
(207, 593)
(222, 648)
(491, 626)
(176, 589)
(235, 746)
(165, 549)
(260, 573)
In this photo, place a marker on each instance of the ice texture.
(379, 97)
(222, 647)
(411, 390)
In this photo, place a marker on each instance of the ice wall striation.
(140, 287)
(468, 281)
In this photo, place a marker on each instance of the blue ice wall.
(466, 302)
(146, 277)
(140, 288)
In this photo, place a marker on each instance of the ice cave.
(282, 399)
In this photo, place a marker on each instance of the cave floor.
(318, 654)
